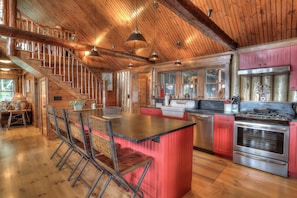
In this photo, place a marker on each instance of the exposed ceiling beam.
(17, 33)
(190, 13)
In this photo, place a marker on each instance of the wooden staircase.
(59, 64)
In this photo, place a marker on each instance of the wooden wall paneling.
(293, 20)
(278, 26)
(54, 90)
(286, 19)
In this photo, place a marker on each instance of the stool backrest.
(77, 133)
(61, 120)
(52, 121)
(102, 141)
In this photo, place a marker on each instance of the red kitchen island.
(168, 141)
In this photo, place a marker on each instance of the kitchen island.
(168, 141)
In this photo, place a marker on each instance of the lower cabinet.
(223, 135)
(292, 150)
(151, 111)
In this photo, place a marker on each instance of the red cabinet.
(151, 111)
(292, 150)
(185, 117)
(293, 73)
(223, 135)
(266, 58)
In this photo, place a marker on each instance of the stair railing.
(65, 64)
(25, 23)
(63, 61)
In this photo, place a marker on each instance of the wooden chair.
(117, 162)
(58, 125)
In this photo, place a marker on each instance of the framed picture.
(108, 77)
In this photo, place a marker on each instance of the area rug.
(207, 169)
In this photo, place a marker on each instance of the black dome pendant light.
(136, 39)
(94, 52)
(154, 55)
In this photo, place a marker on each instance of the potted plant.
(77, 103)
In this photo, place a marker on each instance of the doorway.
(43, 103)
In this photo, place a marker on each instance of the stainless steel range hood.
(265, 70)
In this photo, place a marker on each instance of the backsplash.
(286, 107)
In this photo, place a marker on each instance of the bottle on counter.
(161, 92)
(166, 101)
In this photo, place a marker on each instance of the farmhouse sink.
(172, 111)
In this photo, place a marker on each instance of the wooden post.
(12, 12)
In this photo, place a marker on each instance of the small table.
(18, 117)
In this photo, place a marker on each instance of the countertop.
(200, 111)
(137, 128)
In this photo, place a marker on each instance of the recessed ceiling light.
(5, 69)
(5, 61)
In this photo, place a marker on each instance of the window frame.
(201, 83)
(8, 91)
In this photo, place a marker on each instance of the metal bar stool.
(116, 161)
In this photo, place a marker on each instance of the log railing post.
(12, 12)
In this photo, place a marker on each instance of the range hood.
(265, 70)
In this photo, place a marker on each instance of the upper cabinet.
(266, 58)
(293, 73)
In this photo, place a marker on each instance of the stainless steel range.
(261, 139)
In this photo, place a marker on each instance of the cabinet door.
(277, 57)
(266, 58)
(151, 111)
(293, 73)
(223, 135)
(251, 60)
(292, 150)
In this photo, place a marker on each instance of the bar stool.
(116, 162)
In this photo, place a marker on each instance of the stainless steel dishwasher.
(203, 131)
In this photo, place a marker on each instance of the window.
(190, 83)
(215, 83)
(6, 89)
(168, 83)
(1, 12)
(207, 83)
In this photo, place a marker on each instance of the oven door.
(261, 139)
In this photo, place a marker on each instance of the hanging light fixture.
(136, 39)
(154, 56)
(94, 51)
(178, 62)
(130, 65)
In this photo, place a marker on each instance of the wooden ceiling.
(108, 23)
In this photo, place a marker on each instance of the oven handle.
(261, 159)
(262, 127)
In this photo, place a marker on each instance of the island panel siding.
(170, 174)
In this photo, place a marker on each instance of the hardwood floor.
(27, 171)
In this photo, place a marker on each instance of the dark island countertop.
(137, 128)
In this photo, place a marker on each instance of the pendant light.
(130, 65)
(154, 56)
(178, 62)
(94, 51)
(136, 39)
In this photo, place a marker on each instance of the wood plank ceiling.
(246, 22)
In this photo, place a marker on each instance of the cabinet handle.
(261, 159)
(225, 119)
